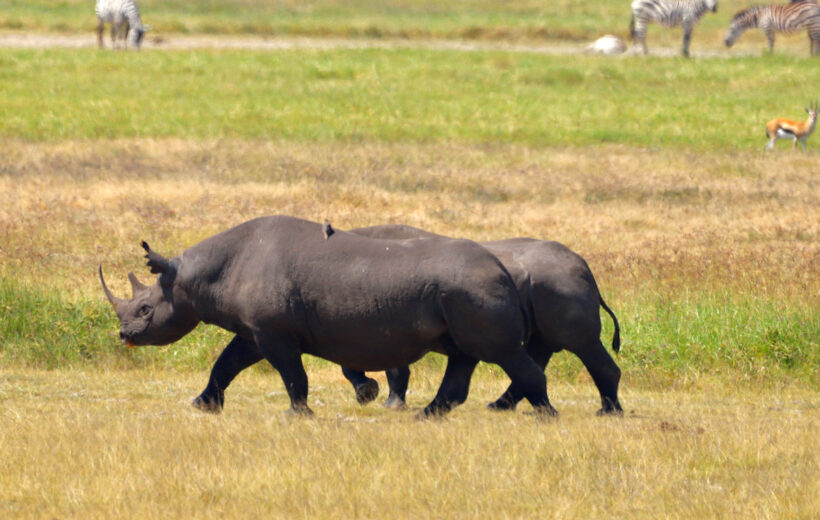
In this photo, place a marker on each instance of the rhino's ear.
(158, 264)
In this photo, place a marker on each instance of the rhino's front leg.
(286, 358)
(237, 356)
(367, 389)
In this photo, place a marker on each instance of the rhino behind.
(561, 295)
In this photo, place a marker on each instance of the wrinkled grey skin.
(562, 297)
(285, 290)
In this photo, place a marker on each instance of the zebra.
(124, 17)
(786, 18)
(669, 13)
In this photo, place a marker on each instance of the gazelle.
(781, 128)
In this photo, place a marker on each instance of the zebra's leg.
(115, 29)
(639, 34)
(642, 37)
(687, 39)
(770, 38)
(100, 30)
(126, 27)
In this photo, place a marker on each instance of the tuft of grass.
(753, 339)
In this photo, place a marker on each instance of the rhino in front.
(285, 289)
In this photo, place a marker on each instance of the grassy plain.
(706, 247)
(400, 95)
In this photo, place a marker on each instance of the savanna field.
(455, 117)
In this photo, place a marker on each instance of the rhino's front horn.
(115, 302)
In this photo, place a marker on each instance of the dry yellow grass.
(667, 220)
(128, 445)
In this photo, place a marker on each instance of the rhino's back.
(381, 299)
(558, 286)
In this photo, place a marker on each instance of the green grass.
(399, 95)
(672, 341)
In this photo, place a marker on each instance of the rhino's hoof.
(395, 402)
(299, 411)
(207, 405)
(501, 405)
(367, 392)
(546, 412)
(434, 414)
(610, 407)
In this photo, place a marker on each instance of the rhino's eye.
(145, 310)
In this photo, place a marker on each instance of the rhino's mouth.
(126, 340)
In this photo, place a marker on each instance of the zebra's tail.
(616, 336)
(632, 27)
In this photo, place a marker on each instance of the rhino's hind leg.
(539, 353)
(606, 375)
(454, 387)
(238, 355)
(367, 389)
(397, 379)
(287, 360)
(527, 376)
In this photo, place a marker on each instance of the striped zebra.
(124, 17)
(786, 18)
(668, 13)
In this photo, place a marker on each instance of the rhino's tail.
(616, 337)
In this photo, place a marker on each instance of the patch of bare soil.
(163, 42)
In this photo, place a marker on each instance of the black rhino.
(562, 297)
(286, 288)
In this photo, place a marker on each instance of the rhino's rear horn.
(136, 285)
(156, 262)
